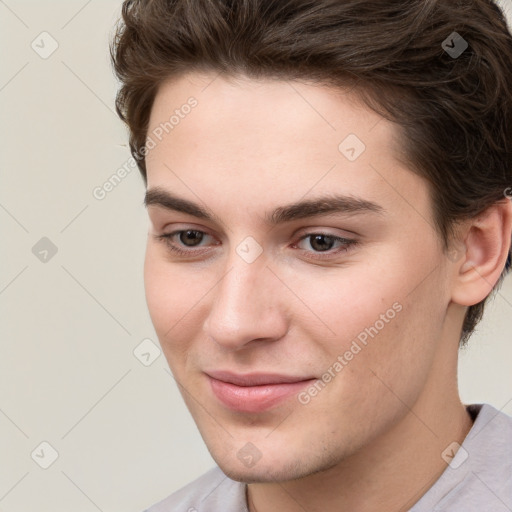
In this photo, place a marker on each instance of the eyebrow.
(299, 210)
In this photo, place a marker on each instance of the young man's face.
(356, 323)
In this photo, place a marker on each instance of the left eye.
(321, 242)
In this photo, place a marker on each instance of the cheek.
(160, 294)
(172, 297)
(397, 357)
(346, 304)
(376, 370)
(375, 319)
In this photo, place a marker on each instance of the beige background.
(70, 324)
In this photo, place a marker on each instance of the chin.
(262, 474)
(279, 468)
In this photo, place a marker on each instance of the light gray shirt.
(477, 479)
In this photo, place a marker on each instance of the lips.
(255, 392)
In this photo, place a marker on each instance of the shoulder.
(489, 444)
(479, 476)
(211, 492)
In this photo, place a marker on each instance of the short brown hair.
(454, 111)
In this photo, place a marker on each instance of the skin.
(247, 148)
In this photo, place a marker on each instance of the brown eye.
(321, 242)
(324, 245)
(185, 242)
(191, 237)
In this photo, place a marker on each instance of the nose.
(246, 306)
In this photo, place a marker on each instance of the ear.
(485, 249)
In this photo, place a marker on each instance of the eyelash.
(347, 244)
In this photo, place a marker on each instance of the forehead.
(246, 112)
(269, 138)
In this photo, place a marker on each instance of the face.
(293, 276)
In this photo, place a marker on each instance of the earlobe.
(487, 246)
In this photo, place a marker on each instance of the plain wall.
(70, 324)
